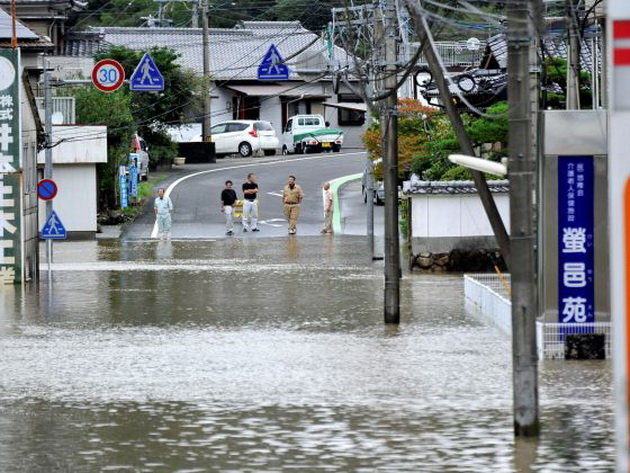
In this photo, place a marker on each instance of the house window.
(348, 116)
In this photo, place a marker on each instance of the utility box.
(573, 222)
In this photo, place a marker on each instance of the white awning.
(280, 90)
(360, 107)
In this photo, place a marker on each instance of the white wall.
(76, 200)
(271, 111)
(440, 216)
(78, 144)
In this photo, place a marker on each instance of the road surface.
(196, 198)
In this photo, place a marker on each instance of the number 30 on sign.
(108, 75)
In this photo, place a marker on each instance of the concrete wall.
(441, 223)
(74, 171)
(76, 201)
(78, 145)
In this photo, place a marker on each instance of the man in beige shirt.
(292, 196)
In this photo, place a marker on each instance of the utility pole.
(430, 52)
(207, 103)
(369, 192)
(48, 164)
(522, 171)
(194, 20)
(573, 57)
(390, 164)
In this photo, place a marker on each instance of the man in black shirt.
(250, 204)
(228, 197)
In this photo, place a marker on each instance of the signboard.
(10, 183)
(133, 181)
(122, 181)
(108, 75)
(147, 76)
(576, 251)
(53, 228)
(46, 189)
(272, 66)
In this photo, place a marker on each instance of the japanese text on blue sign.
(576, 208)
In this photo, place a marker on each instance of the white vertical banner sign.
(10, 182)
(619, 203)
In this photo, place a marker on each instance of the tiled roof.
(454, 187)
(234, 53)
(27, 38)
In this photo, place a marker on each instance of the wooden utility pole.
(207, 103)
(389, 123)
(522, 171)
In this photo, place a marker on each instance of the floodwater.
(270, 355)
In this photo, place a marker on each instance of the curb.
(336, 185)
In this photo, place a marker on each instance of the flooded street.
(270, 355)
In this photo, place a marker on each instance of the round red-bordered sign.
(108, 75)
(46, 189)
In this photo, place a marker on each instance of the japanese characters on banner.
(10, 202)
(122, 181)
(576, 252)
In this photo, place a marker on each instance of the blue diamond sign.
(53, 228)
(146, 77)
(272, 66)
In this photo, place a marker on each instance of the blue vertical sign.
(122, 180)
(576, 249)
(133, 181)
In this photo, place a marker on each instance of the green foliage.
(490, 130)
(94, 107)
(427, 138)
(556, 73)
(154, 111)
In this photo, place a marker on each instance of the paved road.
(197, 206)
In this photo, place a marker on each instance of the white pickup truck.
(310, 134)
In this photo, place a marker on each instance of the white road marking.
(240, 166)
(275, 194)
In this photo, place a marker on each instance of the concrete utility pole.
(48, 164)
(573, 58)
(522, 171)
(194, 20)
(430, 52)
(207, 103)
(390, 168)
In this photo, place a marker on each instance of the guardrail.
(488, 296)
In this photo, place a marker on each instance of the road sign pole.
(48, 162)
(207, 101)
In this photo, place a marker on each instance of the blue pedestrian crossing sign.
(146, 77)
(53, 228)
(272, 66)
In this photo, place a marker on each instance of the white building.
(79, 150)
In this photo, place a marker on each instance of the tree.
(94, 107)
(154, 112)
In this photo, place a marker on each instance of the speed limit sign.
(108, 75)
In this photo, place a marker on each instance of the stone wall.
(470, 261)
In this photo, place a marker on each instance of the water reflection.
(269, 355)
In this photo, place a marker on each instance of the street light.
(479, 164)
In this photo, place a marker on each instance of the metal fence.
(454, 54)
(489, 296)
(550, 337)
(62, 106)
